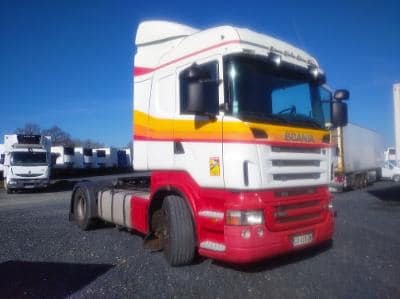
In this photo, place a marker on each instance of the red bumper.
(258, 247)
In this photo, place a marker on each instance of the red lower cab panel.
(300, 216)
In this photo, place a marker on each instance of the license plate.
(29, 186)
(303, 239)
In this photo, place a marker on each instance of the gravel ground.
(43, 255)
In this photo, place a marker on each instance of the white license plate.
(303, 239)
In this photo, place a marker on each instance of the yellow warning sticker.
(214, 166)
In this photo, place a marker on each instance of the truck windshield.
(28, 158)
(259, 91)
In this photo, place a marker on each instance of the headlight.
(244, 217)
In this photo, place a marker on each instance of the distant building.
(396, 106)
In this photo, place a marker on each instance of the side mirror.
(341, 95)
(201, 93)
(203, 98)
(339, 114)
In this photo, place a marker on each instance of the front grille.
(283, 216)
(298, 218)
(28, 175)
(287, 163)
(285, 166)
(296, 176)
(299, 150)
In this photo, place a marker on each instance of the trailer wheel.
(178, 238)
(81, 210)
(396, 178)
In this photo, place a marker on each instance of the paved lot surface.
(43, 255)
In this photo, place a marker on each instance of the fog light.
(246, 234)
(260, 232)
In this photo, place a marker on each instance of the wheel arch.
(157, 200)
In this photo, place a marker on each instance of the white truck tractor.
(391, 171)
(26, 162)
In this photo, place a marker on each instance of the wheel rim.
(81, 208)
(161, 229)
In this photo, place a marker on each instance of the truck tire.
(81, 210)
(179, 242)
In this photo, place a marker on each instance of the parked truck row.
(86, 158)
(26, 161)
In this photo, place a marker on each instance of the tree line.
(58, 136)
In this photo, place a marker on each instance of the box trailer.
(83, 157)
(1, 158)
(230, 129)
(122, 159)
(62, 156)
(128, 152)
(106, 157)
(26, 161)
(390, 156)
(360, 156)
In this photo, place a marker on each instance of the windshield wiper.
(299, 119)
(263, 117)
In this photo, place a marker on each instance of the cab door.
(198, 138)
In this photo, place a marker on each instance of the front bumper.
(239, 250)
(27, 183)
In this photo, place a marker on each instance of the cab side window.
(210, 71)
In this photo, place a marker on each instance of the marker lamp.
(244, 217)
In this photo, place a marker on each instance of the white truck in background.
(83, 157)
(390, 156)
(106, 157)
(360, 156)
(62, 156)
(26, 161)
(391, 171)
(1, 157)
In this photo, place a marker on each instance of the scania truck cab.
(229, 124)
(26, 162)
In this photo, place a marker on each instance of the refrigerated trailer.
(390, 156)
(229, 125)
(62, 156)
(1, 158)
(360, 156)
(106, 157)
(26, 161)
(83, 158)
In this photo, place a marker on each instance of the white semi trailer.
(62, 156)
(360, 156)
(83, 157)
(1, 157)
(26, 161)
(106, 157)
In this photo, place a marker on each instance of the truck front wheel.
(178, 237)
